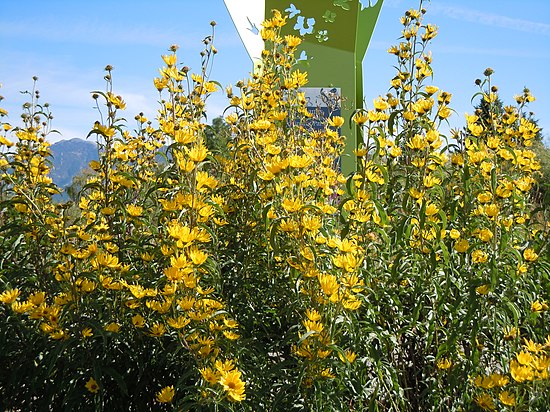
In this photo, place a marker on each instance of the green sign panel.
(336, 37)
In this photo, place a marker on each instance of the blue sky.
(68, 44)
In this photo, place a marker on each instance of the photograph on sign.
(322, 103)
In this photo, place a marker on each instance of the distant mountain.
(70, 157)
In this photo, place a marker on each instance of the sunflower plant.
(251, 274)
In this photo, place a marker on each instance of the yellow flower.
(336, 121)
(197, 153)
(530, 255)
(499, 380)
(431, 89)
(231, 335)
(423, 106)
(292, 205)
(179, 322)
(417, 194)
(231, 323)
(479, 256)
(173, 274)
(261, 124)
(431, 209)
(94, 165)
(4, 141)
(146, 257)
(157, 330)
(485, 235)
(490, 98)
(9, 296)
(475, 129)
(198, 257)
(87, 332)
(134, 210)
(311, 223)
(327, 373)
(380, 104)
(395, 151)
(170, 59)
(313, 315)
(105, 259)
(210, 375)
(184, 136)
(520, 373)
(431, 181)
(86, 285)
(524, 358)
(233, 385)
(538, 306)
(511, 333)
(292, 41)
(248, 102)
(483, 289)
(360, 118)
(351, 303)
(444, 364)
(328, 283)
(507, 398)
(186, 303)
(347, 261)
(92, 385)
(532, 346)
(492, 210)
(457, 159)
(116, 101)
(22, 307)
(408, 115)
(461, 246)
(37, 298)
(348, 356)
(160, 83)
(417, 142)
(444, 112)
(454, 234)
(166, 394)
(138, 321)
(299, 162)
(225, 366)
(310, 326)
(493, 142)
(485, 401)
(112, 327)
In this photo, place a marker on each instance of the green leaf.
(391, 120)
(118, 378)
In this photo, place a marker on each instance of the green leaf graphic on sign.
(342, 3)
(322, 35)
(329, 16)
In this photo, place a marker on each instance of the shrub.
(259, 277)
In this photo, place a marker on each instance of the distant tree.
(217, 136)
(541, 193)
(484, 107)
(78, 182)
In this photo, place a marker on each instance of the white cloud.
(394, 4)
(480, 51)
(490, 19)
(94, 32)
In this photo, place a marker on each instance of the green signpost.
(336, 36)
